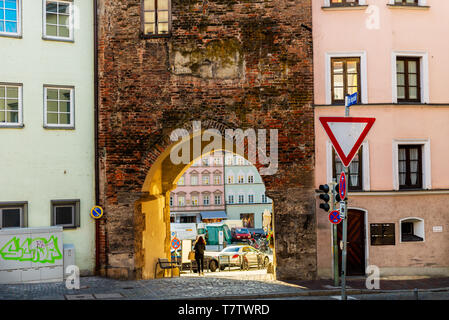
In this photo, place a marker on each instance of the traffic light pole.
(335, 240)
(345, 230)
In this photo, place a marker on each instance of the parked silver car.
(242, 256)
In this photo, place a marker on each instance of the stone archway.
(152, 210)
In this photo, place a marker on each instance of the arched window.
(412, 229)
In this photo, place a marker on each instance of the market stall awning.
(213, 215)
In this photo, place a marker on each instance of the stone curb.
(306, 293)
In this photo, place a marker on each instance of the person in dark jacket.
(200, 247)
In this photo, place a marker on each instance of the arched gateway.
(228, 65)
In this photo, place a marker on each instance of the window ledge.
(402, 6)
(58, 39)
(340, 8)
(12, 35)
(155, 36)
(15, 126)
(59, 128)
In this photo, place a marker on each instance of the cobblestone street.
(220, 285)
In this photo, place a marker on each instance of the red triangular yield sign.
(347, 134)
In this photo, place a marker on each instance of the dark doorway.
(356, 243)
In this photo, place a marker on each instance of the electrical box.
(69, 257)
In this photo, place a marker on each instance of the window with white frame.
(181, 201)
(250, 179)
(264, 199)
(10, 11)
(58, 19)
(230, 179)
(217, 179)
(251, 198)
(65, 213)
(13, 215)
(194, 199)
(181, 181)
(10, 105)
(241, 179)
(59, 107)
(206, 199)
(241, 198)
(217, 199)
(206, 179)
(230, 199)
(194, 180)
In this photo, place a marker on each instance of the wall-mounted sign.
(382, 234)
(437, 229)
(96, 212)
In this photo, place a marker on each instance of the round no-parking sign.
(334, 217)
(175, 243)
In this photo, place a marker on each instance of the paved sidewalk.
(211, 286)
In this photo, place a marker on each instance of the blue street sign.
(96, 212)
(342, 186)
(351, 99)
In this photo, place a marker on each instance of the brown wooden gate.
(356, 243)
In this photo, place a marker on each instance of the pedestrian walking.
(199, 248)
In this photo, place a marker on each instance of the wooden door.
(355, 259)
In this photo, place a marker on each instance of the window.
(205, 162)
(193, 180)
(241, 198)
(408, 79)
(251, 198)
(194, 200)
(406, 2)
(187, 219)
(240, 161)
(65, 213)
(58, 20)
(354, 170)
(10, 105)
(228, 161)
(250, 179)
(345, 74)
(230, 179)
(230, 199)
(241, 179)
(217, 161)
(410, 166)
(181, 201)
(171, 201)
(217, 199)
(181, 181)
(206, 200)
(10, 17)
(264, 199)
(217, 179)
(13, 215)
(344, 2)
(156, 17)
(206, 179)
(412, 230)
(59, 109)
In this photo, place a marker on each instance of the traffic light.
(325, 197)
(336, 191)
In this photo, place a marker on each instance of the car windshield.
(231, 249)
(242, 230)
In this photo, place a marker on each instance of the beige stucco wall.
(429, 257)
(399, 30)
(408, 30)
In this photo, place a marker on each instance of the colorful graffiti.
(35, 250)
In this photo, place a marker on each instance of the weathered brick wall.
(242, 64)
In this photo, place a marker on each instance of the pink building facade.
(395, 55)
(200, 192)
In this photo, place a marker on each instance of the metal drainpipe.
(97, 187)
